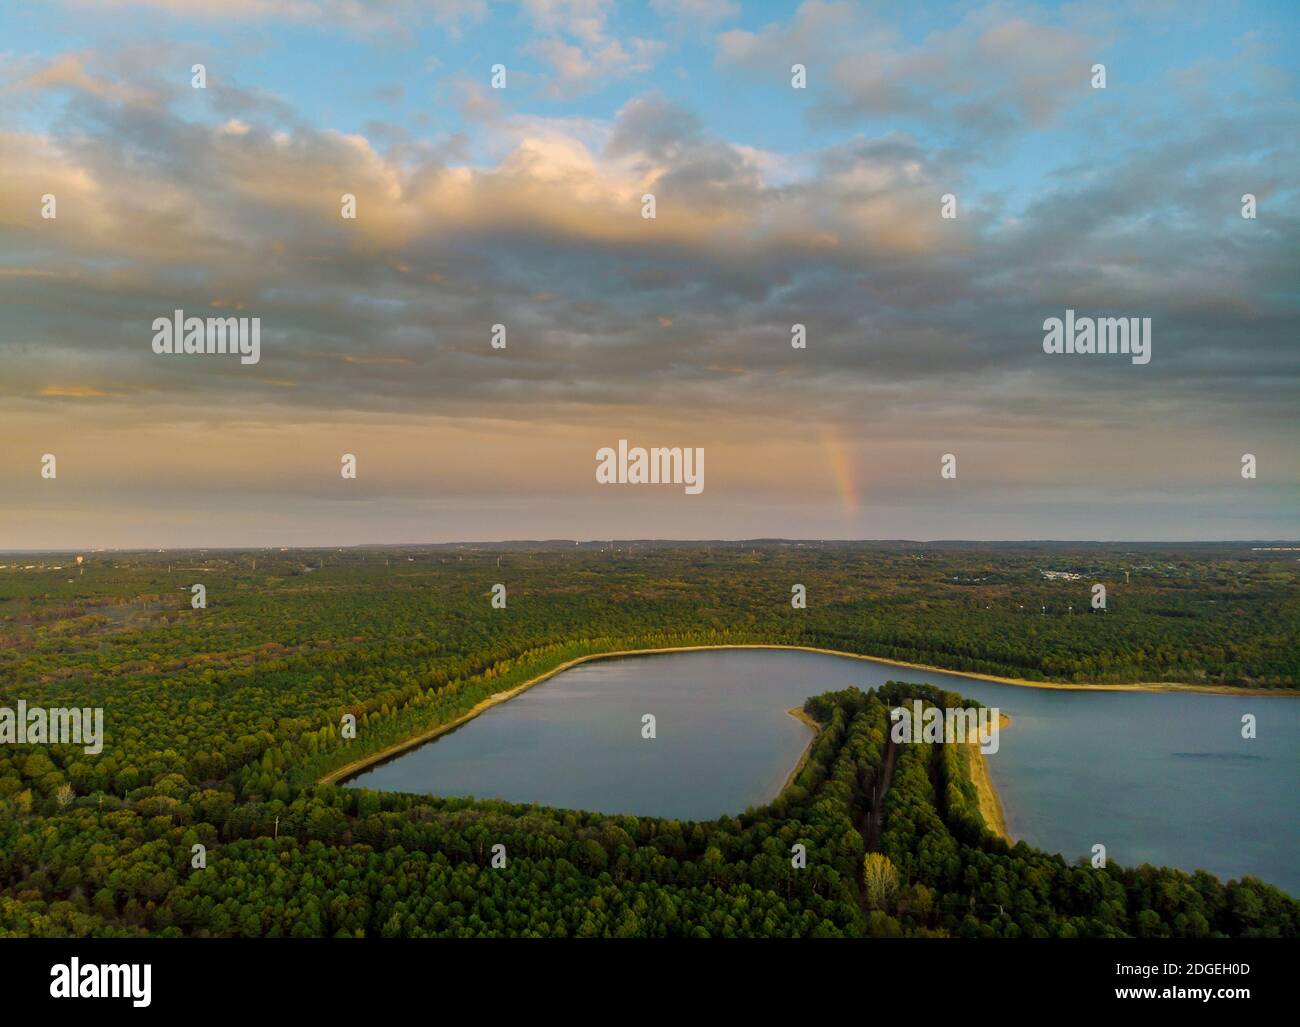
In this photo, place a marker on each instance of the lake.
(1159, 777)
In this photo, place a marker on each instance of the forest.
(220, 721)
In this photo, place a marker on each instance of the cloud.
(815, 29)
(576, 69)
(692, 15)
(354, 13)
(159, 211)
(988, 76)
(920, 330)
(77, 391)
(585, 19)
(590, 57)
(68, 71)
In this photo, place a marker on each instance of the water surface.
(1156, 777)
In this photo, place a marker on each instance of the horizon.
(1283, 545)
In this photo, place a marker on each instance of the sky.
(523, 206)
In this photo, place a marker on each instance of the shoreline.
(355, 767)
(1138, 686)
(798, 713)
(363, 762)
(990, 803)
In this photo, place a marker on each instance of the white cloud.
(590, 56)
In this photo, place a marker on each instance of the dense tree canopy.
(221, 720)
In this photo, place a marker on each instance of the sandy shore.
(1141, 686)
(798, 713)
(356, 766)
(989, 803)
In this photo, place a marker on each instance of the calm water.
(1162, 778)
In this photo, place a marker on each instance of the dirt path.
(872, 836)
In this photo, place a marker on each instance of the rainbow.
(837, 455)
